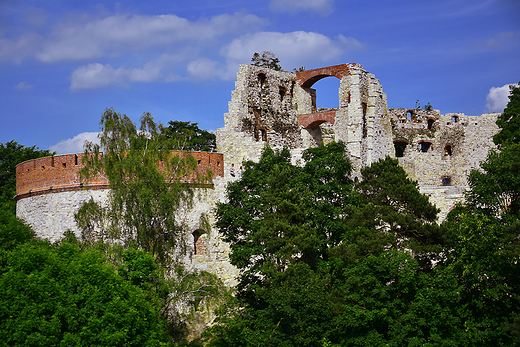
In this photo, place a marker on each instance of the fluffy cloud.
(75, 144)
(497, 98)
(323, 7)
(293, 49)
(121, 33)
(98, 76)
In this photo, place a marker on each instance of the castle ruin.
(279, 108)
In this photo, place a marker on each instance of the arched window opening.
(282, 92)
(261, 78)
(263, 134)
(409, 115)
(446, 181)
(430, 123)
(196, 236)
(328, 90)
(400, 147)
(447, 150)
(424, 146)
(455, 119)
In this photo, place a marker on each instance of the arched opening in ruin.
(198, 242)
(446, 181)
(430, 123)
(326, 93)
(455, 118)
(447, 150)
(400, 147)
(424, 146)
(261, 79)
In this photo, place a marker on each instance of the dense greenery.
(147, 190)
(326, 262)
(187, 136)
(144, 197)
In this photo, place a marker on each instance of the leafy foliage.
(329, 263)
(187, 136)
(267, 59)
(59, 295)
(11, 154)
(144, 197)
(509, 120)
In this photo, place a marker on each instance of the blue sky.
(63, 62)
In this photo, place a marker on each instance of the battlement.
(60, 173)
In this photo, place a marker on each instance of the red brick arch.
(312, 120)
(308, 77)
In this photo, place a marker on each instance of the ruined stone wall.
(441, 150)
(261, 110)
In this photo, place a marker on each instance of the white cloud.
(497, 98)
(23, 86)
(323, 7)
(204, 69)
(17, 50)
(293, 49)
(98, 76)
(122, 33)
(75, 144)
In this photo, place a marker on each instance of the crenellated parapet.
(61, 173)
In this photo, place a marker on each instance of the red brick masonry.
(312, 120)
(60, 173)
(308, 77)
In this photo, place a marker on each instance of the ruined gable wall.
(261, 110)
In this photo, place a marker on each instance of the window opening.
(447, 150)
(52, 161)
(446, 181)
(64, 165)
(425, 146)
(76, 159)
(282, 92)
(261, 78)
(263, 133)
(409, 115)
(430, 123)
(196, 236)
(400, 147)
(454, 119)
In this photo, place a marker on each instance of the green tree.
(392, 203)
(267, 59)
(509, 120)
(12, 154)
(57, 295)
(139, 227)
(320, 262)
(144, 197)
(187, 136)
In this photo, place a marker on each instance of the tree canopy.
(509, 120)
(187, 136)
(326, 262)
(267, 59)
